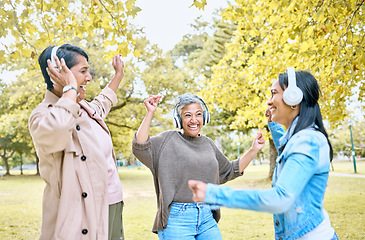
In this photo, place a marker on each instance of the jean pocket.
(177, 209)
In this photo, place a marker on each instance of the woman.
(174, 157)
(76, 156)
(301, 173)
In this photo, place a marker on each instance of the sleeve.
(143, 151)
(103, 102)
(51, 127)
(227, 170)
(277, 131)
(297, 171)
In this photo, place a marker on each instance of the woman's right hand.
(268, 114)
(151, 103)
(61, 75)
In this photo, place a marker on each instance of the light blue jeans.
(189, 221)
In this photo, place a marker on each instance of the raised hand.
(151, 103)
(118, 65)
(268, 114)
(258, 142)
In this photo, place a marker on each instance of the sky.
(165, 22)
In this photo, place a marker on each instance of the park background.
(230, 60)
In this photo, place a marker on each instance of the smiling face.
(280, 112)
(82, 75)
(192, 119)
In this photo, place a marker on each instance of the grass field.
(21, 199)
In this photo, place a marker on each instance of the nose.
(269, 102)
(88, 77)
(193, 118)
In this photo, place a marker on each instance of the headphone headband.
(53, 54)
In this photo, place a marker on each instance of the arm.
(143, 131)
(297, 171)
(246, 158)
(108, 98)
(51, 126)
(229, 170)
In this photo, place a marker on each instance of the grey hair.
(186, 99)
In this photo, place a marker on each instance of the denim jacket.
(299, 183)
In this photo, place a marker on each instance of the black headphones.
(177, 119)
(292, 94)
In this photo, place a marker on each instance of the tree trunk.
(273, 156)
(21, 164)
(37, 163)
(5, 159)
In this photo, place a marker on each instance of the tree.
(102, 29)
(323, 37)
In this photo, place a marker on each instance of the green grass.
(21, 199)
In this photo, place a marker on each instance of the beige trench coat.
(75, 204)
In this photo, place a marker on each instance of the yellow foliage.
(322, 38)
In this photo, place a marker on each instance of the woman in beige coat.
(76, 156)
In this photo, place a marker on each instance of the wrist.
(68, 88)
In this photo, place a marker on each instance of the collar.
(289, 132)
(50, 97)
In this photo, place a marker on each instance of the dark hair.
(67, 52)
(310, 113)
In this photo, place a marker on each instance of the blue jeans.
(190, 221)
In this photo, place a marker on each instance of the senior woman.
(76, 156)
(174, 157)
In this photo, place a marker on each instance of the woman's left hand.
(198, 188)
(118, 65)
(258, 142)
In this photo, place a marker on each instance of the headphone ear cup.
(292, 96)
(205, 117)
(177, 122)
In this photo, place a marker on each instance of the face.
(192, 119)
(280, 112)
(82, 75)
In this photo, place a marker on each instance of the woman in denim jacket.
(301, 173)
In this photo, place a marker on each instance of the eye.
(187, 115)
(199, 114)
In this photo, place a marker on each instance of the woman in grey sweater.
(175, 157)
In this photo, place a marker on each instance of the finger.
(193, 184)
(57, 61)
(51, 69)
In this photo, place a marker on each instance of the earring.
(294, 107)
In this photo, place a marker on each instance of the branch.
(111, 15)
(18, 27)
(44, 23)
(120, 125)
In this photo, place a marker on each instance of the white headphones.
(177, 119)
(53, 54)
(292, 94)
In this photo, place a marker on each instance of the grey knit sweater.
(175, 158)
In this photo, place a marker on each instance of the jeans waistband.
(195, 205)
